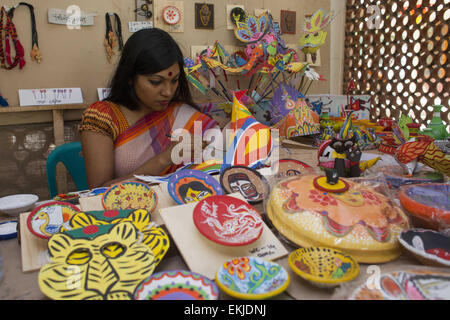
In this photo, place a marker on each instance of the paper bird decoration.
(249, 142)
(315, 35)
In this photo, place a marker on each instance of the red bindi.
(170, 73)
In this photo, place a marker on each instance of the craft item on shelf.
(171, 15)
(48, 218)
(186, 186)
(71, 197)
(113, 36)
(410, 284)
(3, 101)
(144, 10)
(428, 204)
(396, 177)
(429, 247)
(8, 230)
(323, 267)
(311, 211)
(290, 167)
(248, 182)
(252, 278)
(227, 221)
(109, 262)
(17, 203)
(177, 285)
(204, 16)
(436, 128)
(130, 195)
(8, 33)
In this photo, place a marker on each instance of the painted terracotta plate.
(228, 221)
(177, 285)
(171, 15)
(411, 284)
(395, 177)
(187, 186)
(428, 246)
(291, 167)
(130, 195)
(252, 278)
(248, 182)
(323, 267)
(47, 219)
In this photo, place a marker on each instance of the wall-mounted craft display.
(250, 183)
(186, 186)
(235, 12)
(252, 278)
(113, 35)
(177, 285)
(7, 26)
(311, 211)
(168, 15)
(288, 21)
(130, 195)
(204, 16)
(144, 10)
(228, 221)
(96, 262)
(72, 17)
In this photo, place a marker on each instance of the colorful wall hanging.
(228, 221)
(315, 34)
(252, 278)
(233, 15)
(130, 195)
(337, 106)
(113, 36)
(204, 16)
(177, 285)
(186, 186)
(288, 21)
(105, 262)
(248, 182)
(7, 26)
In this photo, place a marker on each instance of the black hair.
(147, 51)
(196, 185)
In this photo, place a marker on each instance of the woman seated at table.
(129, 132)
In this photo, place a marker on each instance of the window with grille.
(397, 51)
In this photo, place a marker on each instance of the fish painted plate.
(228, 221)
(130, 195)
(323, 267)
(187, 186)
(48, 218)
(428, 246)
(177, 285)
(252, 278)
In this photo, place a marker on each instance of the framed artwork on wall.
(287, 22)
(204, 16)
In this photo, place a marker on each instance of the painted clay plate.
(47, 219)
(171, 15)
(227, 220)
(17, 203)
(429, 202)
(248, 182)
(430, 247)
(323, 267)
(252, 278)
(410, 284)
(187, 186)
(291, 167)
(177, 285)
(395, 177)
(130, 195)
(8, 230)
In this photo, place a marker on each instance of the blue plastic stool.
(69, 155)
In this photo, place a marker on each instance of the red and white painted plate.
(171, 15)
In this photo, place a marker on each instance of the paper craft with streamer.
(249, 141)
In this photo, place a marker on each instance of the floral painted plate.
(48, 219)
(130, 195)
(428, 246)
(187, 186)
(323, 267)
(177, 285)
(252, 278)
(227, 220)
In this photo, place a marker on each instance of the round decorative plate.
(252, 278)
(410, 284)
(395, 177)
(177, 285)
(323, 267)
(8, 230)
(17, 203)
(171, 15)
(248, 182)
(130, 195)
(227, 220)
(429, 203)
(291, 167)
(48, 218)
(428, 246)
(186, 186)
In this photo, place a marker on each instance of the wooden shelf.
(44, 108)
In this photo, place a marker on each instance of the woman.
(129, 132)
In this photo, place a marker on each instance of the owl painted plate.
(130, 195)
(177, 285)
(48, 219)
(323, 267)
(228, 221)
(252, 278)
(187, 186)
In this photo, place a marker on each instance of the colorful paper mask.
(315, 35)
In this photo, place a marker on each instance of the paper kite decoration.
(315, 35)
(249, 142)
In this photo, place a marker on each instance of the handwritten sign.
(71, 17)
(50, 96)
(103, 93)
(134, 26)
